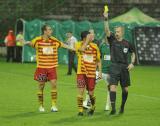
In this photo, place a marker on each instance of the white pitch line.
(148, 97)
(134, 94)
(99, 89)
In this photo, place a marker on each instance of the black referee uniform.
(119, 61)
(118, 69)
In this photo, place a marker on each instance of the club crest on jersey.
(125, 50)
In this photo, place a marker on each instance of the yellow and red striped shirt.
(46, 51)
(87, 60)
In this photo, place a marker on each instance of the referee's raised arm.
(106, 24)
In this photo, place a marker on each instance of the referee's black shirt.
(119, 50)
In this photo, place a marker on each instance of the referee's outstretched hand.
(130, 66)
(105, 14)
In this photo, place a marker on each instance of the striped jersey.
(87, 60)
(46, 51)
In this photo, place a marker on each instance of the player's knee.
(53, 83)
(91, 89)
(91, 93)
(81, 91)
(124, 89)
(113, 88)
(41, 86)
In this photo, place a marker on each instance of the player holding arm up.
(88, 57)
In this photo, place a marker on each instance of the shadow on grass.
(98, 116)
(23, 115)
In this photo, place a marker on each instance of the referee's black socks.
(124, 99)
(113, 100)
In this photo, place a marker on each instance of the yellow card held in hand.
(106, 8)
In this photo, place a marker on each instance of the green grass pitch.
(19, 106)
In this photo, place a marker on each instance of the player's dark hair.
(84, 34)
(44, 27)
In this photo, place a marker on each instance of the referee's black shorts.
(119, 72)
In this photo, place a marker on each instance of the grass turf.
(19, 106)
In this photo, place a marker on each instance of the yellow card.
(106, 8)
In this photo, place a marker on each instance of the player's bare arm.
(67, 47)
(28, 43)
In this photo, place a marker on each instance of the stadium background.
(77, 15)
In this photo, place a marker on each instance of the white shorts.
(105, 77)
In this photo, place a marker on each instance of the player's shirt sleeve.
(58, 42)
(77, 46)
(98, 54)
(34, 42)
(131, 48)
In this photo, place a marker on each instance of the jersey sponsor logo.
(125, 50)
(47, 50)
(88, 58)
(107, 57)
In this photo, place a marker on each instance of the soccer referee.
(119, 69)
